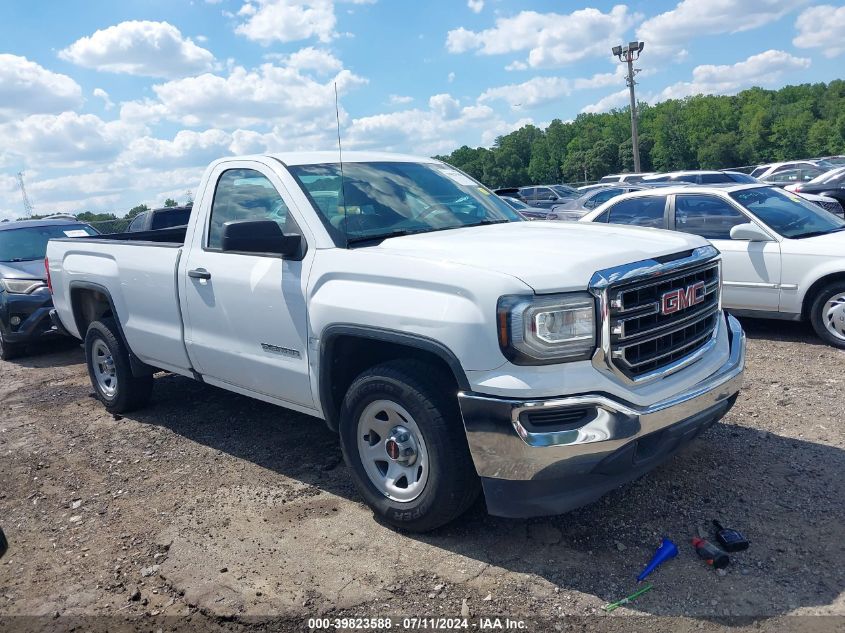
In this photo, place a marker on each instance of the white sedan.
(782, 257)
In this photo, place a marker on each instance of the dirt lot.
(217, 507)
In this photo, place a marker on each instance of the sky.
(105, 105)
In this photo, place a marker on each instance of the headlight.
(22, 286)
(543, 330)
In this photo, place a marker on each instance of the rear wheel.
(404, 443)
(110, 372)
(827, 314)
(8, 351)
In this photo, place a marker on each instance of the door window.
(602, 196)
(644, 211)
(137, 223)
(707, 216)
(245, 194)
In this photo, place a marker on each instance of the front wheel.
(827, 314)
(111, 374)
(403, 440)
(8, 351)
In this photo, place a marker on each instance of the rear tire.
(827, 314)
(442, 482)
(110, 372)
(8, 351)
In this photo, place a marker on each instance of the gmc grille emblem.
(682, 298)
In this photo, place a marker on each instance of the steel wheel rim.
(102, 363)
(397, 466)
(833, 315)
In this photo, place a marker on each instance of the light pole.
(629, 54)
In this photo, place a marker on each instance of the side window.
(528, 193)
(645, 211)
(244, 194)
(137, 223)
(544, 193)
(691, 178)
(709, 179)
(707, 216)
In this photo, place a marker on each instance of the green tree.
(136, 210)
(170, 202)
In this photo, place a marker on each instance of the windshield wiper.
(481, 223)
(381, 236)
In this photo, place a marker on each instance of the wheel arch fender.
(346, 350)
(90, 301)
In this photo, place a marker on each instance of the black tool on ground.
(4, 545)
(711, 554)
(730, 540)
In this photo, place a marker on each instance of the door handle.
(199, 273)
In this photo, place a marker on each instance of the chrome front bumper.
(612, 442)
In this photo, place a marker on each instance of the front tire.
(827, 314)
(110, 372)
(8, 351)
(404, 443)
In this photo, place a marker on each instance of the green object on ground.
(613, 605)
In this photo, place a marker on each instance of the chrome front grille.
(658, 315)
(643, 338)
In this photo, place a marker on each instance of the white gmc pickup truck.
(454, 348)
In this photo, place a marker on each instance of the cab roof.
(312, 158)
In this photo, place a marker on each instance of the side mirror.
(261, 236)
(749, 232)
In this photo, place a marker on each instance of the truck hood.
(548, 256)
(23, 270)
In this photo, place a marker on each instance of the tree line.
(90, 216)
(700, 132)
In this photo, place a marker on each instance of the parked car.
(454, 347)
(576, 209)
(547, 196)
(830, 184)
(598, 185)
(782, 257)
(614, 178)
(838, 160)
(529, 213)
(25, 301)
(163, 218)
(699, 177)
(772, 168)
(825, 202)
(795, 176)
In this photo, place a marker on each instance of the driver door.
(245, 315)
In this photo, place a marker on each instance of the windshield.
(788, 214)
(387, 199)
(30, 243)
(565, 191)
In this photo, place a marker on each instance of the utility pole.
(628, 55)
(26, 203)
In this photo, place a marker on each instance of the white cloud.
(263, 96)
(66, 139)
(187, 149)
(822, 27)
(764, 69)
(28, 88)
(102, 94)
(450, 77)
(617, 99)
(542, 90)
(476, 6)
(552, 39)
(287, 20)
(442, 127)
(671, 31)
(151, 49)
(399, 100)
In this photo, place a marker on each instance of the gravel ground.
(213, 509)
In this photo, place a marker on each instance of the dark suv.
(164, 218)
(25, 301)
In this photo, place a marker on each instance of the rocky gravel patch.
(213, 509)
